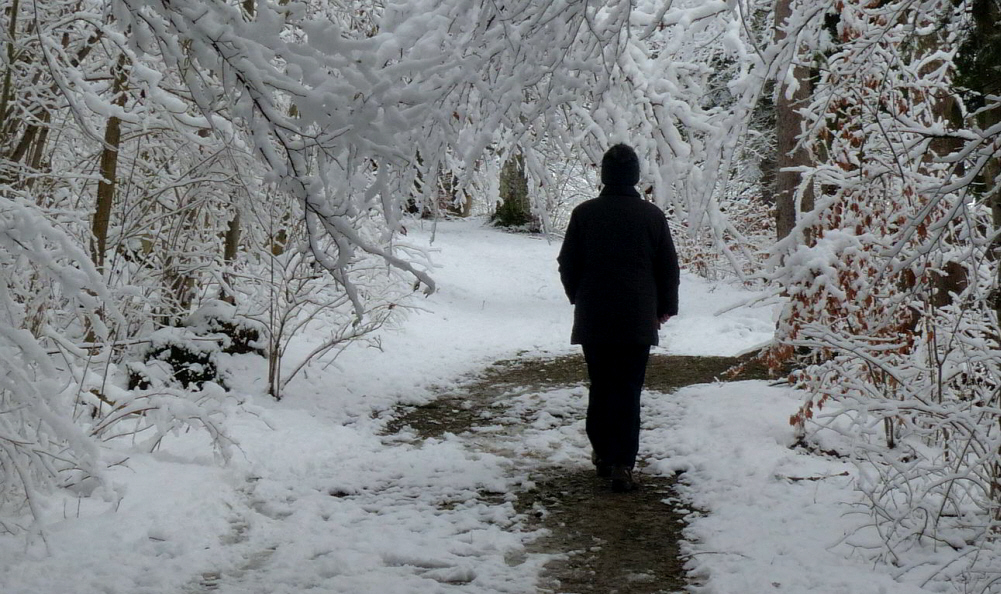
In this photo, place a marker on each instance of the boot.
(600, 468)
(622, 479)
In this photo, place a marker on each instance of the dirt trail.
(607, 542)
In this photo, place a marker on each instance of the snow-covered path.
(317, 499)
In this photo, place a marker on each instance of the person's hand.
(662, 319)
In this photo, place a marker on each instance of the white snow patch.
(315, 499)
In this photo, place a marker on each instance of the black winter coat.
(619, 269)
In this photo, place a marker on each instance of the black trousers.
(613, 407)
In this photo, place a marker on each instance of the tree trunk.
(231, 247)
(977, 71)
(788, 124)
(109, 169)
(7, 90)
(31, 143)
(177, 281)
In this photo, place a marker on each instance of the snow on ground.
(316, 500)
(499, 296)
(771, 519)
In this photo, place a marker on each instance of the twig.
(797, 479)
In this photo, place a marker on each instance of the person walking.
(620, 271)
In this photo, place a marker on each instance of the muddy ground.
(606, 542)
